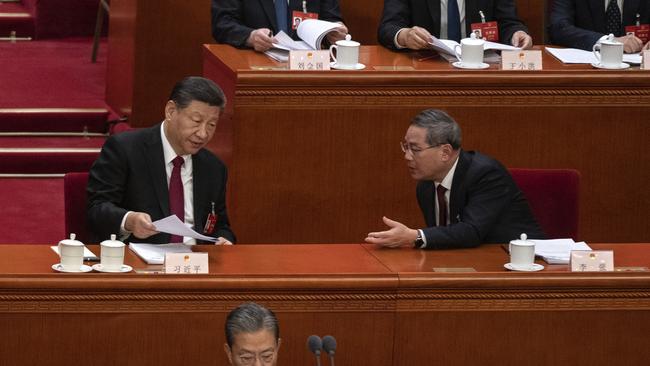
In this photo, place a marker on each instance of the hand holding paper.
(173, 225)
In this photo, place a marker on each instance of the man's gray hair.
(441, 128)
(250, 318)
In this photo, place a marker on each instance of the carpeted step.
(32, 210)
(53, 120)
(14, 17)
(48, 155)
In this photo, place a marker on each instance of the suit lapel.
(457, 187)
(630, 9)
(200, 187)
(598, 11)
(427, 196)
(471, 14)
(156, 166)
(434, 10)
(269, 9)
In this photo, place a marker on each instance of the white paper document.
(576, 56)
(173, 225)
(557, 251)
(155, 253)
(311, 31)
(446, 46)
(87, 253)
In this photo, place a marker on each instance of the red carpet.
(32, 210)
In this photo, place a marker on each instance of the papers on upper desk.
(311, 31)
(173, 225)
(155, 253)
(576, 56)
(557, 251)
(446, 47)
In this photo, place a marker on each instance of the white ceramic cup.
(522, 252)
(71, 252)
(112, 254)
(609, 53)
(471, 51)
(347, 53)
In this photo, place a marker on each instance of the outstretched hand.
(398, 235)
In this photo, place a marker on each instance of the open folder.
(311, 31)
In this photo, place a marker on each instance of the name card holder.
(309, 60)
(592, 261)
(521, 60)
(645, 63)
(186, 263)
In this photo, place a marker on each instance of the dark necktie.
(176, 198)
(453, 21)
(613, 19)
(281, 15)
(442, 205)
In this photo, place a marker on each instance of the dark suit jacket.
(234, 20)
(580, 23)
(485, 206)
(400, 14)
(129, 175)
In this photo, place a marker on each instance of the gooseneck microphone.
(329, 345)
(314, 344)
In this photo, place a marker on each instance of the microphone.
(314, 344)
(329, 345)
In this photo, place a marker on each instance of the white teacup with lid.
(609, 53)
(522, 253)
(71, 252)
(112, 254)
(471, 51)
(347, 53)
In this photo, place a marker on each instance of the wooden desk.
(314, 156)
(385, 307)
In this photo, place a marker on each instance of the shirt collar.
(168, 150)
(449, 178)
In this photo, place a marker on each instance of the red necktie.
(442, 205)
(176, 199)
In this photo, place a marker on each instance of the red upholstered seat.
(74, 192)
(553, 198)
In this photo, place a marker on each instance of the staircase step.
(53, 120)
(48, 155)
(14, 17)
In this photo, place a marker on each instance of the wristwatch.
(418, 240)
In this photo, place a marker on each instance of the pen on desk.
(91, 259)
(427, 57)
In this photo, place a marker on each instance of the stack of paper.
(155, 253)
(311, 31)
(557, 251)
(446, 47)
(576, 56)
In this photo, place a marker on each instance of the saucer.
(460, 65)
(124, 269)
(622, 66)
(59, 268)
(358, 66)
(532, 268)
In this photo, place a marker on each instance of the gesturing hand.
(397, 235)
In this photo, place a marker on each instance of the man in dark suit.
(583, 23)
(467, 198)
(410, 24)
(252, 23)
(151, 173)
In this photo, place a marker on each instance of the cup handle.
(597, 54)
(456, 52)
(332, 47)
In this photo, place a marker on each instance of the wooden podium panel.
(315, 157)
(385, 307)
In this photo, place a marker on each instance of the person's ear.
(226, 348)
(170, 109)
(447, 151)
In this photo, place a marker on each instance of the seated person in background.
(252, 336)
(411, 23)
(467, 198)
(583, 23)
(244, 23)
(151, 173)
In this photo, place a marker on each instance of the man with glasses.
(252, 336)
(467, 198)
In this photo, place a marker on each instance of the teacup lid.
(71, 241)
(113, 242)
(348, 42)
(611, 40)
(472, 40)
(522, 240)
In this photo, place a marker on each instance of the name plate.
(186, 263)
(309, 60)
(521, 60)
(645, 63)
(592, 261)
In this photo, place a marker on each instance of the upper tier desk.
(315, 157)
(385, 307)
